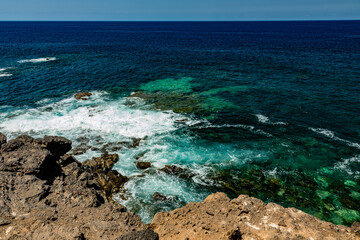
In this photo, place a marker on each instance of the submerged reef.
(46, 193)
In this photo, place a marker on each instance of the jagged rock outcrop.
(159, 196)
(110, 181)
(45, 194)
(2, 139)
(178, 171)
(143, 165)
(82, 95)
(218, 217)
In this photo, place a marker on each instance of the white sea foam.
(5, 75)
(109, 121)
(265, 120)
(329, 134)
(345, 165)
(262, 118)
(2, 69)
(242, 126)
(97, 115)
(143, 188)
(37, 60)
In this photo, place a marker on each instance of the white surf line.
(330, 134)
(37, 60)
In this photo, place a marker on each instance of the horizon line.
(254, 20)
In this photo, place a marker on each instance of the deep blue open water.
(268, 109)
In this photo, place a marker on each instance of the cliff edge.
(246, 218)
(47, 194)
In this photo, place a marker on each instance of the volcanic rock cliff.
(47, 194)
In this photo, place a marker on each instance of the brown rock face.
(245, 218)
(110, 181)
(2, 139)
(45, 196)
(82, 95)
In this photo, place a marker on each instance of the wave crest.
(37, 60)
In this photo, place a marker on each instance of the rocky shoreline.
(46, 193)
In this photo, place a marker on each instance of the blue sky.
(160, 10)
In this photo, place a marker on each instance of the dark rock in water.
(103, 163)
(111, 147)
(58, 146)
(178, 102)
(178, 171)
(83, 139)
(136, 142)
(2, 139)
(137, 157)
(44, 196)
(82, 95)
(140, 235)
(350, 203)
(110, 181)
(143, 165)
(79, 150)
(159, 196)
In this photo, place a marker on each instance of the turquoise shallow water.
(269, 109)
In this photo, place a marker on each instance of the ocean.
(268, 109)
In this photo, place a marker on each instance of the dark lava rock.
(143, 165)
(58, 146)
(25, 139)
(82, 95)
(140, 235)
(178, 102)
(159, 196)
(178, 171)
(44, 196)
(103, 163)
(79, 150)
(110, 181)
(136, 142)
(18, 156)
(11, 145)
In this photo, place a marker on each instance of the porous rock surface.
(45, 194)
(218, 217)
(110, 181)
